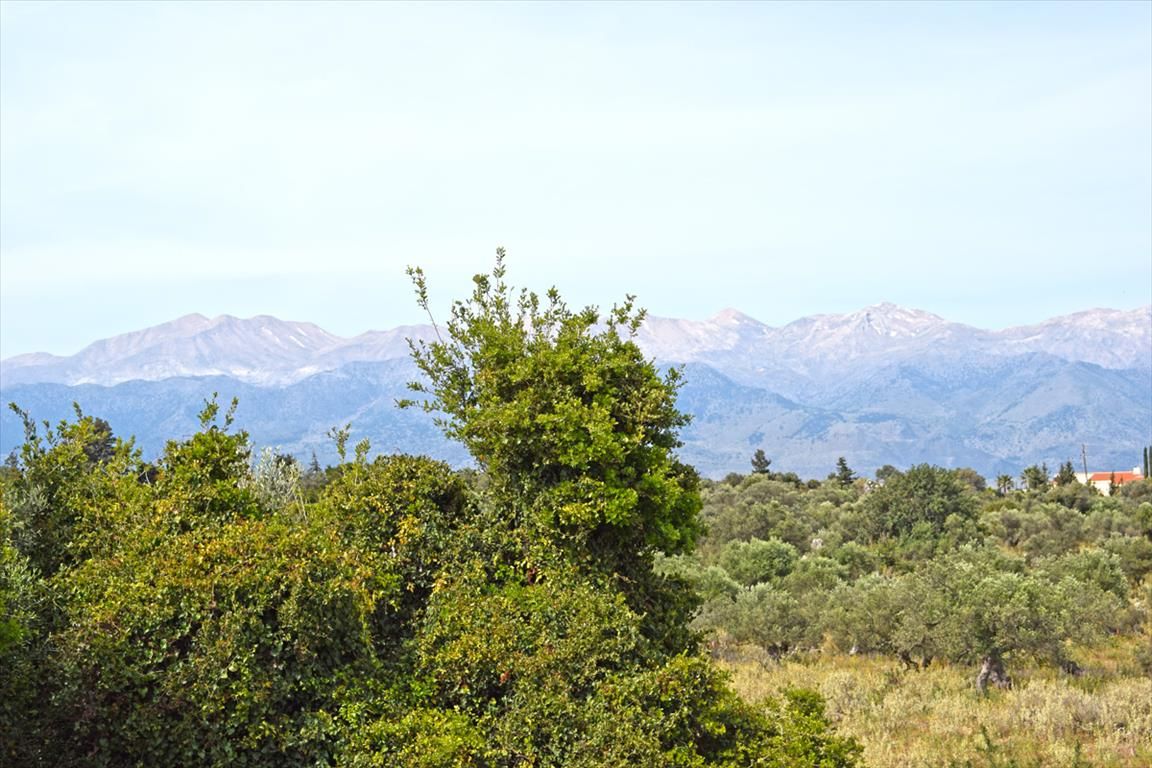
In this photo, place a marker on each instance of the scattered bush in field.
(813, 574)
(857, 559)
(1133, 554)
(1139, 492)
(924, 494)
(757, 561)
(765, 615)
(710, 582)
(1095, 567)
(864, 616)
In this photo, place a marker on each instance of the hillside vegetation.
(945, 622)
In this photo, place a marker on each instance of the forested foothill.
(225, 607)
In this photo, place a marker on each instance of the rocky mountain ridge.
(884, 385)
(266, 351)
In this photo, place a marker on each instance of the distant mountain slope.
(884, 385)
(261, 350)
(265, 351)
(800, 358)
(1107, 337)
(997, 419)
(295, 418)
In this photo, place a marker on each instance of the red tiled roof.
(1121, 477)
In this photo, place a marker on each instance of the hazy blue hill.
(1000, 419)
(884, 385)
(295, 419)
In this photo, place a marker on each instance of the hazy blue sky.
(990, 162)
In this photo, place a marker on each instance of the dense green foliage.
(218, 609)
(573, 428)
(921, 565)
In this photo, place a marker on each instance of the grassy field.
(934, 717)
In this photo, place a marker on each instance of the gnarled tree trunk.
(992, 672)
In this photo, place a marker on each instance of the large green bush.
(195, 612)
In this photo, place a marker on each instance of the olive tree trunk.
(992, 673)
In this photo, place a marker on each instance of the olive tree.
(925, 495)
(976, 606)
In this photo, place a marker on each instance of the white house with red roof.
(1102, 481)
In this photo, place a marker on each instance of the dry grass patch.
(935, 717)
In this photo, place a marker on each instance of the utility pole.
(1084, 458)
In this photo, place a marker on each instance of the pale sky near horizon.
(987, 161)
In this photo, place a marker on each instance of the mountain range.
(883, 385)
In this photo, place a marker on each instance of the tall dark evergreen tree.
(1035, 477)
(844, 474)
(760, 463)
